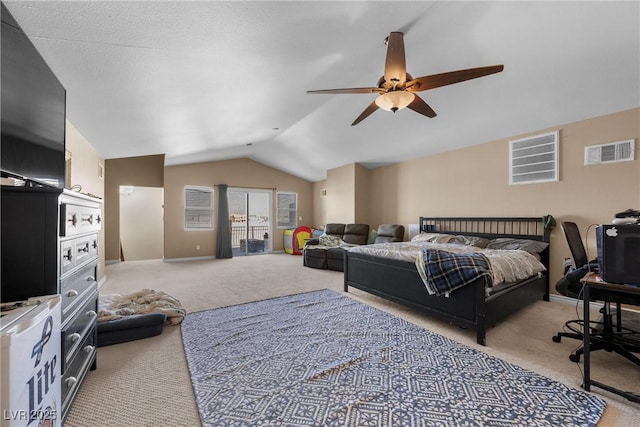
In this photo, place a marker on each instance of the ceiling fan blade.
(366, 113)
(349, 90)
(395, 67)
(451, 77)
(419, 106)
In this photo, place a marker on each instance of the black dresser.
(50, 246)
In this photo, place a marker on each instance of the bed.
(477, 305)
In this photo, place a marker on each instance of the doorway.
(141, 223)
(250, 216)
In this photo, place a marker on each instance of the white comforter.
(506, 265)
(115, 306)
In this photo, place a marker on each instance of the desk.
(614, 335)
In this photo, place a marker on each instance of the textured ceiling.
(215, 80)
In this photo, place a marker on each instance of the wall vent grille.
(620, 151)
(534, 159)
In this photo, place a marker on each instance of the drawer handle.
(72, 293)
(75, 337)
(67, 255)
(84, 248)
(89, 219)
(73, 220)
(88, 349)
(70, 382)
(98, 219)
(91, 313)
(90, 279)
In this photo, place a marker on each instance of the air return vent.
(620, 151)
(534, 159)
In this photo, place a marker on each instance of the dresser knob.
(70, 382)
(88, 349)
(75, 337)
(90, 279)
(91, 313)
(72, 293)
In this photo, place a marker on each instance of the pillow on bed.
(432, 237)
(534, 247)
(478, 242)
(372, 236)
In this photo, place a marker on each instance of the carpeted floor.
(322, 358)
(147, 383)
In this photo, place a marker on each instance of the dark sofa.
(332, 258)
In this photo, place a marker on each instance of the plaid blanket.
(443, 271)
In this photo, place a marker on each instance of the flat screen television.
(619, 253)
(33, 111)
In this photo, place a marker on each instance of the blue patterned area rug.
(324, 359)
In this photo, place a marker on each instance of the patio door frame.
(247, 236)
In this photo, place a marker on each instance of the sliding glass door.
(250, 216)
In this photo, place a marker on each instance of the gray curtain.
(223, 242)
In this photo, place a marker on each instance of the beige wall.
(340, 201)
(361, 195)
(348, 195)
(85, 161)
(143, 171)
(475, 182)
(242, 173)
(319, 204)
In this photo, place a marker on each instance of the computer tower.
(619, 253)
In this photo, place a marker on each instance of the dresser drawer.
(76, 219)
(77, 251)
(77, 369)
(85, 248)
(78, 328)
(75, 287)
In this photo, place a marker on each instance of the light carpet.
(322, 358)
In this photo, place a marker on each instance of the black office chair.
(570, 286)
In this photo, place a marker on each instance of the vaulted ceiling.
(215, 80)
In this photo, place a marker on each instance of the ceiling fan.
(397, 88)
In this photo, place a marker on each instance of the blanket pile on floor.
(112, 307)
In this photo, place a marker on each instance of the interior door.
(250, 216)
(141, 223)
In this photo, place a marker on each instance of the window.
(287, 212)
(198, 208)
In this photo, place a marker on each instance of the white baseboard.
(102, 281)
(111, 261)
(572, 301)
(197, 258)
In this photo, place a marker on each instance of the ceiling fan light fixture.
(394, 100)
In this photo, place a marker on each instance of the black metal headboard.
(490, 227)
